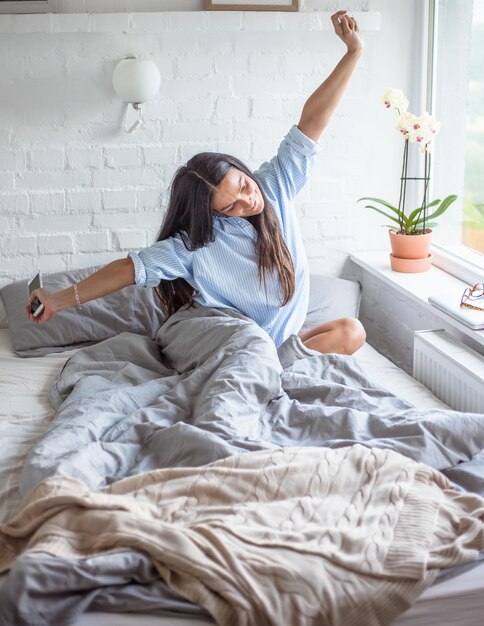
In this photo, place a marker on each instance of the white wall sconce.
(135, 81)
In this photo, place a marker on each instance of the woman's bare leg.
(343, 336)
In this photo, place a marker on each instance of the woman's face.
(237, 195)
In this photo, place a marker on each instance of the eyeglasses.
(472, 295)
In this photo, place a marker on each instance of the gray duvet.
(211, 385)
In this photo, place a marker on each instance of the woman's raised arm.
(321, 104)
(112, 277)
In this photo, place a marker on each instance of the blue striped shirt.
(224, 271)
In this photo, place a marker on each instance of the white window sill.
(418, 287)
(459, 261)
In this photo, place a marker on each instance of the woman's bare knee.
(342, 336)
(353, 334)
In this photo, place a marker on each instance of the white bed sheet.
(393, 378)
(25, 411)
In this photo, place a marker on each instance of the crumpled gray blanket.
(213, 385)
(43, 589)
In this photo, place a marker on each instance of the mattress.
(25, 411)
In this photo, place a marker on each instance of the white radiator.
(451, 370)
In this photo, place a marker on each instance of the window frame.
(469, 264)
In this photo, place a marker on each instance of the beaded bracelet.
(76, 295)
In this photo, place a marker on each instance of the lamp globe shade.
(136, 80)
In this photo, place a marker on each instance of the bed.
(25, 411)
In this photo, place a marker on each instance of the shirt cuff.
(301, 142)
(139, 269)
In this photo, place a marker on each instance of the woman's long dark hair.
(190, 214)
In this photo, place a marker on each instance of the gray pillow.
(132, 309)
(330, 298)
(135, 309)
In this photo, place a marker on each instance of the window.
(473, 202)
(457, 100)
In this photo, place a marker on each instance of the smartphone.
(36, 306)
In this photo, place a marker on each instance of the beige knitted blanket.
(293, 536)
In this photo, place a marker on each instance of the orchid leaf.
(414, 214)
(446, 202)
(414, 217)
(384, 202)
(383, 213)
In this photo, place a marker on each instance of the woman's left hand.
(347, 29)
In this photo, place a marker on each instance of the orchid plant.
(420, 130)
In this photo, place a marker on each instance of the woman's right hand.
(48, 300)
(347, 30)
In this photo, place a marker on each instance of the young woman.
(230, 237)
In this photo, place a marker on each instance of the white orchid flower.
(405, 123)
(430, 123)
(395, 98)
(424, 131)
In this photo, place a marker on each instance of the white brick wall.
(75, 190)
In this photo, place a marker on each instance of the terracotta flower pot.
(410, 246)
(410, 266)
(410, 253)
